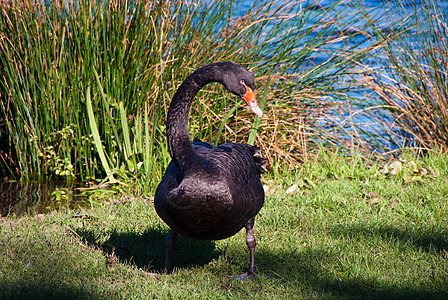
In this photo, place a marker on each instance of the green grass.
(329, 239)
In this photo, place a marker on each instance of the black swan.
(207, 192)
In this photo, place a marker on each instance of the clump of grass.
(412, 90)
(131, 56)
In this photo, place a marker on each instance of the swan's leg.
(171, 239)
(251, 243)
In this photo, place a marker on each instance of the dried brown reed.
(412, 89)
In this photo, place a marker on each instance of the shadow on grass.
(147, 250)
(311, 271)
(29, 289)
(426, 239)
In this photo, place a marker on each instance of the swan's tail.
(259, 161)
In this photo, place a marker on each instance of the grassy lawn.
(349, 230)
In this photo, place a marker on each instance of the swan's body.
(207, 192)
(211, 200)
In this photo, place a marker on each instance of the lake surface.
(19, 198)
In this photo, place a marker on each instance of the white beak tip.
(257, 111)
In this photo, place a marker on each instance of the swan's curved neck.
(178, 139)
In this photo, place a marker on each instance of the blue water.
(387, 15)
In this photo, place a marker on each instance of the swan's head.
(240, 82)
(249, 97)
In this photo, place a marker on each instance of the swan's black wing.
(198, 142)
(260, 162)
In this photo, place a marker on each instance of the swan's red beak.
(250, 99)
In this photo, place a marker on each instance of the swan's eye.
(243, 82)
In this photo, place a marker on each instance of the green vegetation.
(338, 228)
(84, 95)
(131, 56)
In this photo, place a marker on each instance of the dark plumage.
(208, 192)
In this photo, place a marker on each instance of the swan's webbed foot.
(246, 275)
(171, 239)
(151, 274)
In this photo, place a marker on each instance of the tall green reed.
(132, 55)
(50, 55)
